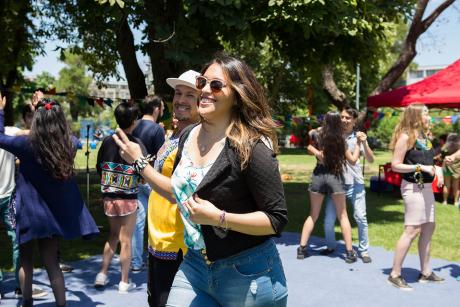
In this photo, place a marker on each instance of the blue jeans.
(356, 194)
(254, 277)
(138, 233)
(6, 216)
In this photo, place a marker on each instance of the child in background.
(451, 171)
(119, 187)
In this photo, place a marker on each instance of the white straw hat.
(187, 79)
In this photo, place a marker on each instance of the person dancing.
(48, 202)
(413, 156)
(331, 153)
(229, 192)
(119, 187)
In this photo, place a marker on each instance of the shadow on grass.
(293, 151)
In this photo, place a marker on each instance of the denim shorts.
(254, 277)
(326, 183)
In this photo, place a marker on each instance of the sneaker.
(351, 257)
(37, 292)
(399, 283)
(65, 268)
(302, 252)
(430, 278)
(326, 252)
(366, 258)
(101, 280)
(124, 287)
(444, 203)
(137, 269)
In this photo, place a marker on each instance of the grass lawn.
(384, 211)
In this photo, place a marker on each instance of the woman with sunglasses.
(413, 156)
(229, 192)
(48, 202)
(331, 154)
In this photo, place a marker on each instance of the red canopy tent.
(441, 90)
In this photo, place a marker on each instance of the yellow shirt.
(165, 226)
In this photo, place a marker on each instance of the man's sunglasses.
(215, 85)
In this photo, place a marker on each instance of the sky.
(439, 45)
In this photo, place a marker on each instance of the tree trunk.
(74, 109)
(275, 87)
(127, 51)
(12, 75)
(161, 13)
(339, 99)
(408, 53)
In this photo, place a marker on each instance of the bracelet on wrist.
(223, 221)
(142, 162)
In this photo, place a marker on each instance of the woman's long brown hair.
(332, 143)
(410, 123)
(251, 118)
(51, 140)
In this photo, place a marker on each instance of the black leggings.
(160, 279)
(48, 251)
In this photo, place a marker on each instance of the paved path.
(315, 281)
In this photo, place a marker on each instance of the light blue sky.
(440, 45)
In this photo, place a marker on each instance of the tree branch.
(435, 14)
(408, 52)
(338, 97)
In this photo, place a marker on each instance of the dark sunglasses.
(215, 85)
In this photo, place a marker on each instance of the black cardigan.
(257, 188)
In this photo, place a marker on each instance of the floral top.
(185, 180)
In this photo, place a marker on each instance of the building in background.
(422, 72)
(110, 90)
(114, 90)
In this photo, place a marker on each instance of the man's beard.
(182, 118)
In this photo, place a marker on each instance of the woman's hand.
(129, 151)
(202, 211)
(449, 159)
(2, 102)
(362, 137)
(36, 97)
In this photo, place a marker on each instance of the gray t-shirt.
(353, 172)
(7, 167)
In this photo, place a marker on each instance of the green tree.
(311, 42)
(20, 43)
(45, 80)
(102, 36)
(74, 80)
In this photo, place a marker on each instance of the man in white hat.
(165, 227)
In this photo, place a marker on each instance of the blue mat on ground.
(315, 281)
